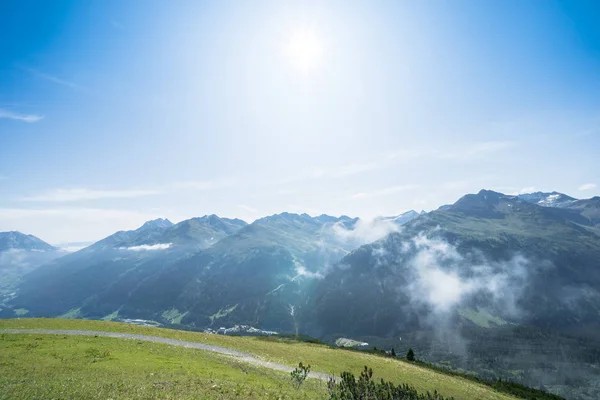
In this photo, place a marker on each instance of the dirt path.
(242, 356)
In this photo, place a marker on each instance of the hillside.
(19, 255)
(496, 285)
(491, 283)
(203, 272)
(67, 364)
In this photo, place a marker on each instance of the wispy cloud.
(202, 185)
(19, 117)
(116, 24)
(462, 152)
(247, 208)
(52, 78)
(466, 183)
(148, 247)
(482, 149)
(69, 195)
(587, 186)
(383, 192)
(528, 189)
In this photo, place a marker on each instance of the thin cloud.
(81, 194)
(52, 78)
(116, 24)
(148, 247)
(202, 185)
(529, 189)
(475, 150)
(69, 195)
(383, 192)
(463, 152)
(19, 117)
(587, 186)
(466, 183)
(247, 208)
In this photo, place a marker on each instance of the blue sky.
(115, 112)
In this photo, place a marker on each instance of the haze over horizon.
(114, 113)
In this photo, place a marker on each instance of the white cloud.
(587, 186)
(383, 192)
(68, 195)
(302, 271)
(148, 247)
(444, 278)
(19, 117)
(72, 249)
(364, 231)
(247, 208)
(529, 189)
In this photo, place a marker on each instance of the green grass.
(222, 313)
(71, 314)
(481, 317)
(21, 312)
(174, 316)
(78, 367)
(285, 351)
(112, 316)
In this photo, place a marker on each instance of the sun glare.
(304, 49)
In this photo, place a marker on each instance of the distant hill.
(20, 241)
(119, 260)
(475, 279)
(202, 272)
(19, 255)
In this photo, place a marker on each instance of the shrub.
(410, 355)
(299, 374)
(365, 388)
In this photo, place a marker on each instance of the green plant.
(299, 374)
(410, 355)
(365, 388)
(97, 355)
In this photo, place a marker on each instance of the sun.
(304, 50)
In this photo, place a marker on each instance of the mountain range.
(19, 255)
(467, 284)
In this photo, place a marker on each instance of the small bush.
(299, 374)
(410, 355)
(350, 388)
(98, 355)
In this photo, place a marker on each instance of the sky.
(116, 112)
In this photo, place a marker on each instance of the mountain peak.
(401, 218)
(159, 223)
(20, 241)
(490, 193)
(547, 199)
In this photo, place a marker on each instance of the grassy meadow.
(45, 366)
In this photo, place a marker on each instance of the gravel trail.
(239, 355)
